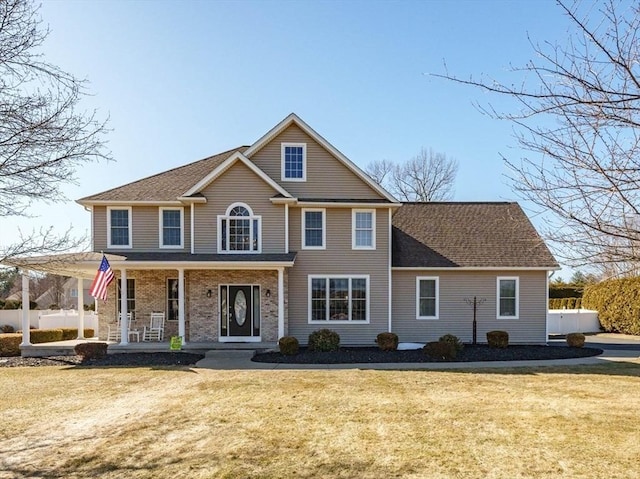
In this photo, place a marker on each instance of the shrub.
(324, 340)
(12, 304)
(498, 339)
(575, 340)
(72, 333)
(7, 328)
(387, 341)
(618, 304)
(453, 339)
(10, 344)
(45, 335)
(567, 291)
(289, 345)
(91, 350)
(440, 350)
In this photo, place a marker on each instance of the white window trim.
(166, 299)
(373, 228)
(517, 280)
(311, 277)
(304, 161)
(161, 228)
(251, 217)
(324, 228)
(437, 280)
(119, 246)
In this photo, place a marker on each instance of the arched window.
(239, 230)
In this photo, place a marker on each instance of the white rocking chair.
(114, 332)
(155, 330)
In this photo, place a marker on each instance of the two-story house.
(287, 236)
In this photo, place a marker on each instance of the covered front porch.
(205, 300)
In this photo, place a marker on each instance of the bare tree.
(578, 115)
(44, 136)
(428, 176)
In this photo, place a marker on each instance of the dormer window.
(294, 162)
(239, 230)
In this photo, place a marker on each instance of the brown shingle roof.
(165, 186)
(467, 235)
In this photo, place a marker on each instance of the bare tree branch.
(44, 136)
(578, 116)
(428, 176)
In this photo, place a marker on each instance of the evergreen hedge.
(618, 304)
(565, 291)
(565, 303)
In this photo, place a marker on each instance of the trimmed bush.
(440, 350)
(91, 350)
(453, 339)
(7, 328)
(72, 333)
(565, 291)
(12, 304)
(324, 340)
(575, 340)
(45, 335)
(618, 304)
(498, 339)
(565, 303)
(387, 341)
(289, 345)
(10, 344)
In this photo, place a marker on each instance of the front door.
(239, 311)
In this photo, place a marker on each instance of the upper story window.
(508, 297)
(314, 228)
(294, 162)
(427, 297)
(239, 230)
(119, 227)
(363, 229)
(171, 228)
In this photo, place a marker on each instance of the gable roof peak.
(293, 118)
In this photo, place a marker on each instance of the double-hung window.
(339, 299)
(313, 228)
(427, 297)
(363, 229)
(171, 228)
(508, 297)
(119, 227)
(239, 230)
(294, 162)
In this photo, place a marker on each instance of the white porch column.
(26, 334)
(181, 320)
(280, 302)
(80, 308)
(286, 227)
(124, 324)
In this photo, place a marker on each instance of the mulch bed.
(128, 360)
(468, 354)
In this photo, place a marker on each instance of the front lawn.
(175, 422)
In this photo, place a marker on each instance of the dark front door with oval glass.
(240, 311)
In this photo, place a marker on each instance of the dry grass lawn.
(581, 422)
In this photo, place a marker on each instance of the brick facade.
(202, 313)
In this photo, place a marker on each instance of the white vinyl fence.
(47, 318)
(564, 321)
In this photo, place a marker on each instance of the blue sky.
(182, 80)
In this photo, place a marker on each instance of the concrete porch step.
(235, 354)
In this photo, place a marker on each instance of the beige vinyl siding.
(456, 316)
(99, 221)
(145, 224)
(239, 184)
(339, 258)
(327, 177)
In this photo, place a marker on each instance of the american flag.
(104, 276)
